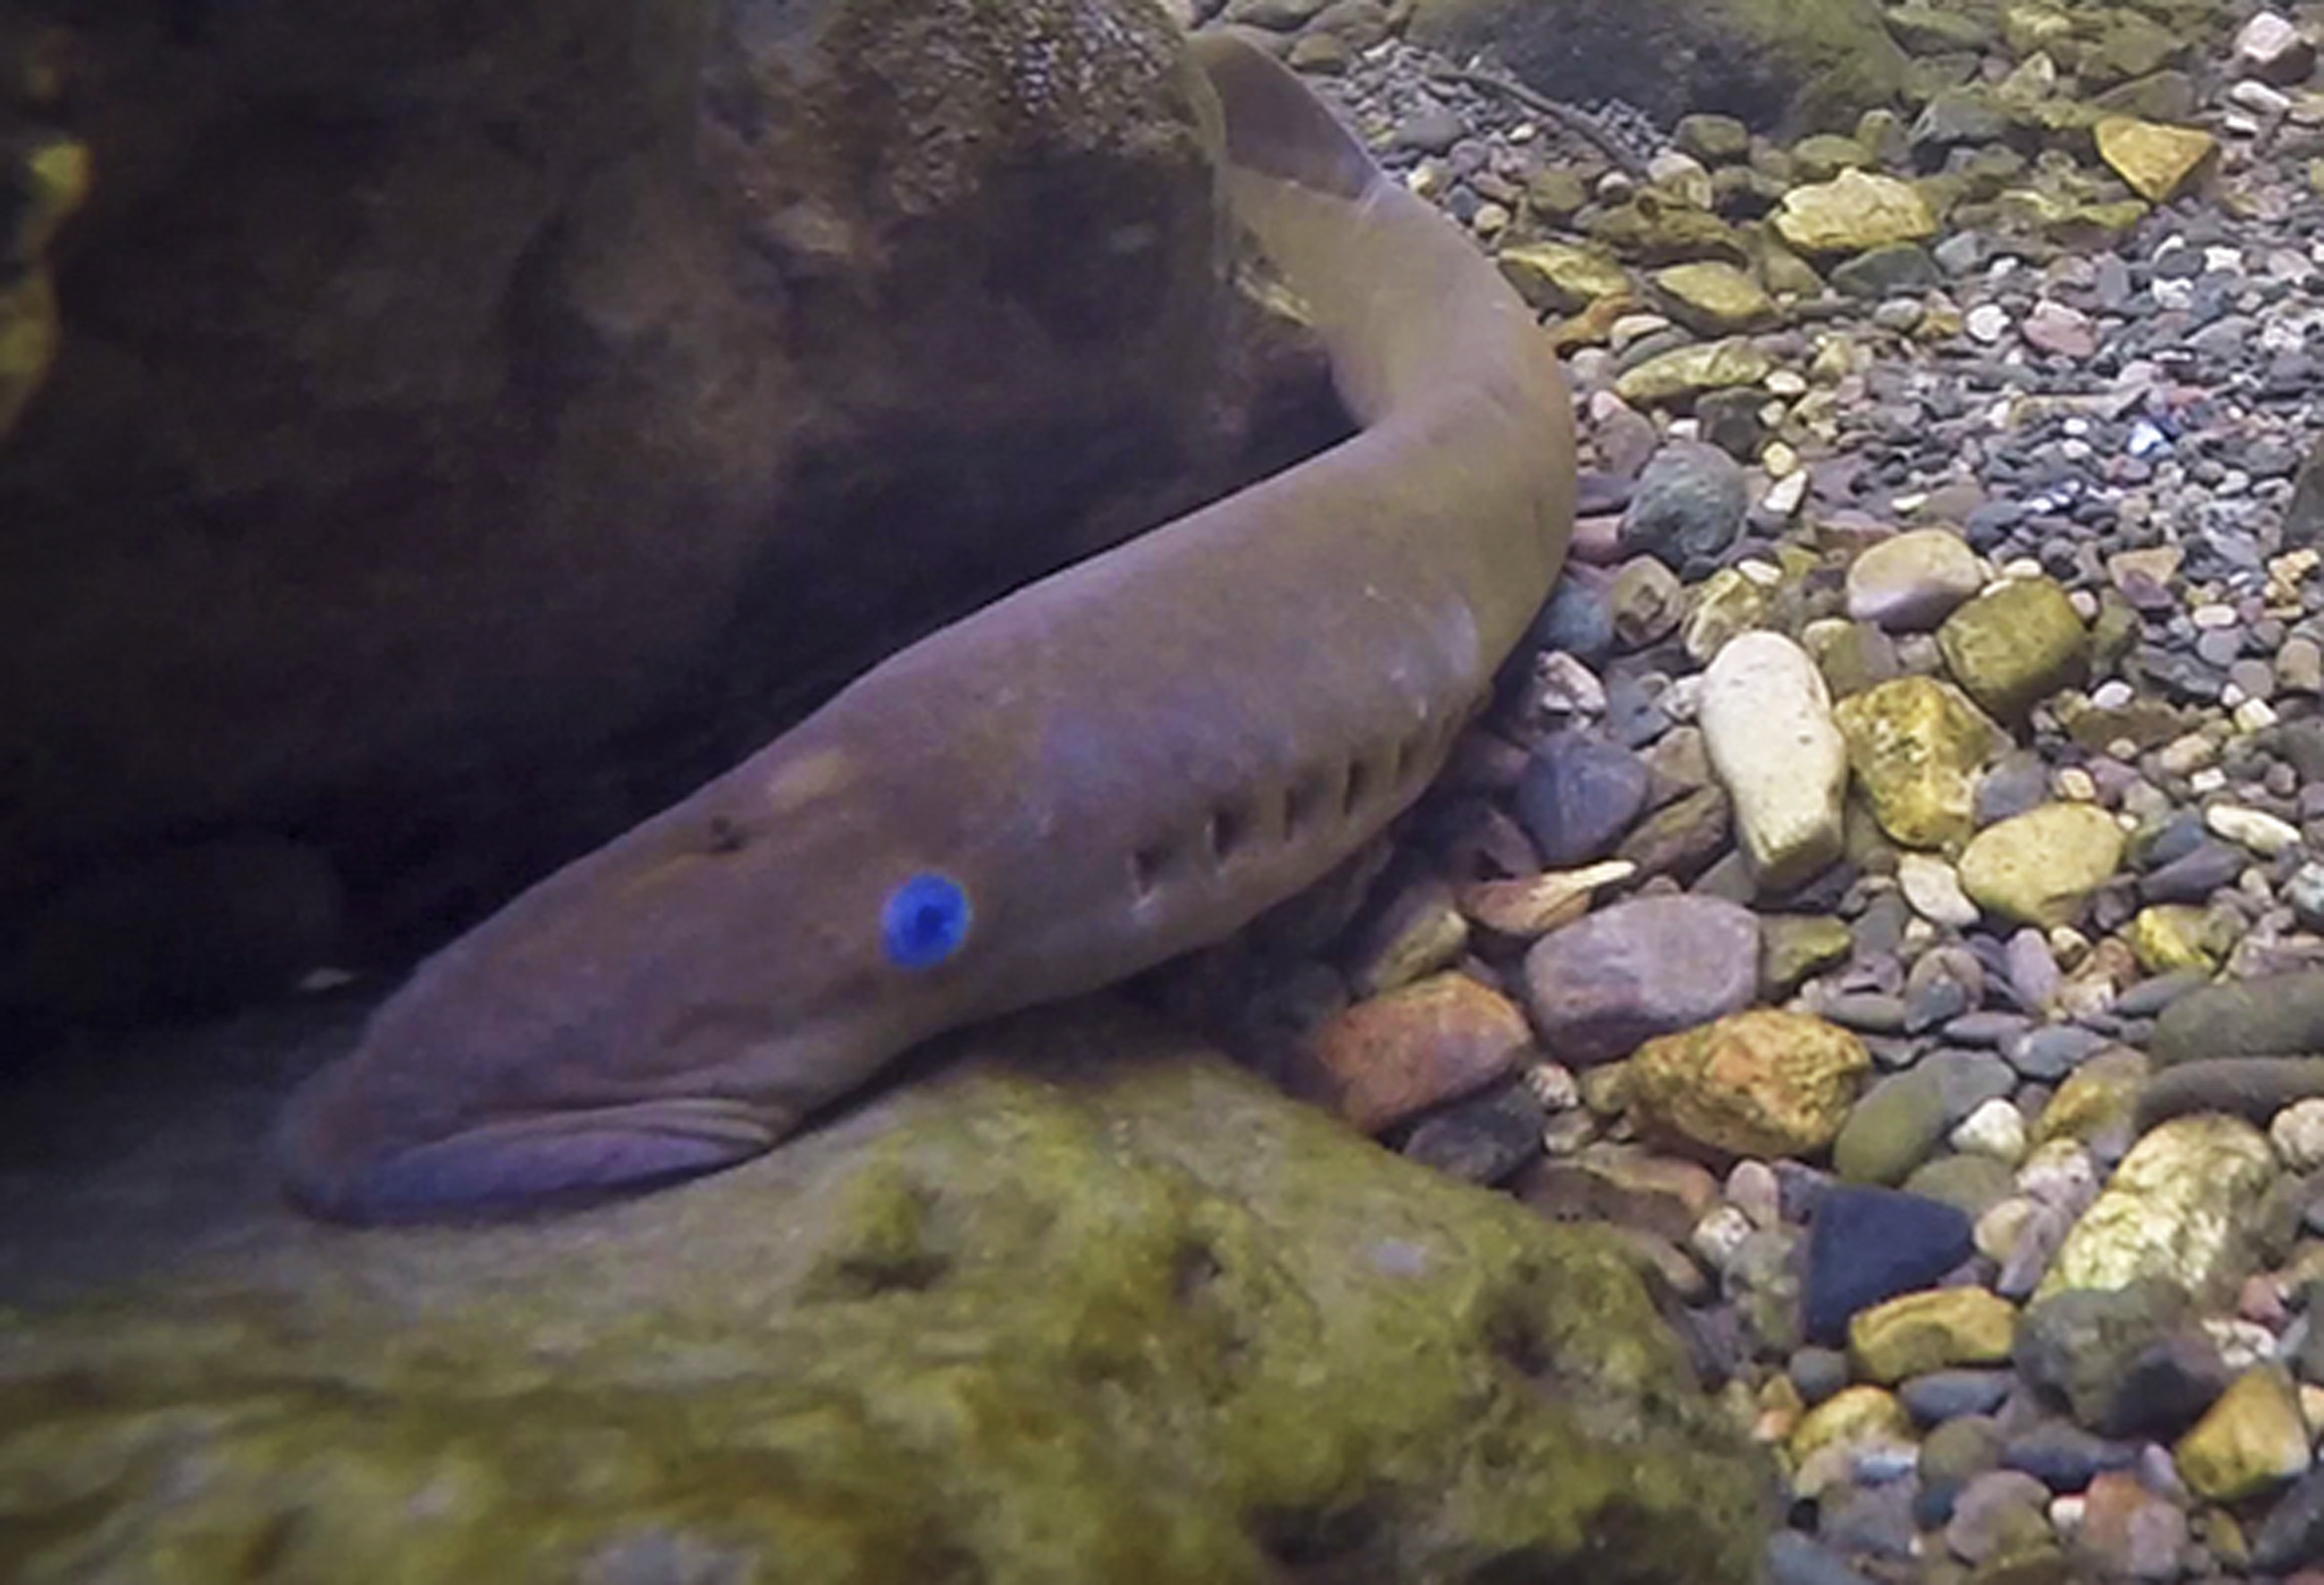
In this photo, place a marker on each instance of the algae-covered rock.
(1100, 1308)
(2015, 644)
(1916, 746)
(2183, 1206)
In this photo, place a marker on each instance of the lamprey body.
(1110, 767)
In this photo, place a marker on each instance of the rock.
(1761, 1083)
(1077, 1309)
(1935, 889)
(1793, 1559)
(1868, 1245)
(2097, 1101)
(1766, 721)
(1712, 297)
(486, 359)
(1646, 600)
(1625, 1185)
(2040, 868)
(2014, 645)
(1999, 1515)
(1854, 211)
(1562, 277)
(2129, 1533)
(1892, 1128)
(1948, 1395)
(1675, 376)
(1579, 795)
(2271, 48)
(2128, 1362)
(1791, 946)
(1419, 932)
(1538, 904)
(1385, 1059)
(2253, 1438)
(2179, 936)
(1600, 988)
(1784, 69)
(2158, 161)
(1484, 1139)
(2182, 1205)
(2293, 1531)
(2255, 829)
(1914, 581)
(1918, 1333)
(2281, 1015)
(1689, 504)
(1726, 605)
(1682, 837)
(1854, 1421)
(1952, 1455)
(1917, 746)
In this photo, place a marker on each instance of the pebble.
(1601, 988)
(1767, 724)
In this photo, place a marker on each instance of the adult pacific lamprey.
(1112, 766)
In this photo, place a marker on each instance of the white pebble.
(1995, 1128)
(2208, 780)
(2004, 1223)
(2060, 1173)
(1754, 1189)
(2215, 617)
(2255, 829)
(2242, 1343)
(2113, 694)
(1785, 497)
(2254, 716)
(2297, 1135)
(1987, 323)
(2076, 785)
(1554, 1085)
(1567, 686)
(1719, 1233)
(1767, 724)
(2066, 1513)
(1933, 889)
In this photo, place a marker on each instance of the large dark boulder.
(475, 424)
(1784, 66)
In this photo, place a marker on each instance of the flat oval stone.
(1914, 581)
(1603, 986)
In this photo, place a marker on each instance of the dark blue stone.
(1868, 1245)
(1579, 620)
(1948, 1394)
(2064, 1457)
(1578, 795)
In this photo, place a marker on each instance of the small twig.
(1579, 122)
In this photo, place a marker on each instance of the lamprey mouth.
(508, 1163)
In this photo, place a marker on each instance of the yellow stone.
(2178, 935)
(2097, 1097)
(2040, 868)
(2253, 1438)
(1761, 1083)
(1692, 370)
(1854, 211)
(1560, 277)
(1820, 1448)
(1916, 746)
(1712, 297)
(2179, 1207)
(1932, 1331)
(2157, 160)
(29, 340)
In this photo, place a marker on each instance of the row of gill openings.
(1276, 816)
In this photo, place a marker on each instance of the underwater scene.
(1023, 792)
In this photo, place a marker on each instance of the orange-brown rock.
(1383, 1060)
(1761, 1083)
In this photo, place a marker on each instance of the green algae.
(1134, 1319)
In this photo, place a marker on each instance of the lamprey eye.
(925, 921)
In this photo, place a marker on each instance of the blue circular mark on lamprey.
(925, 921)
